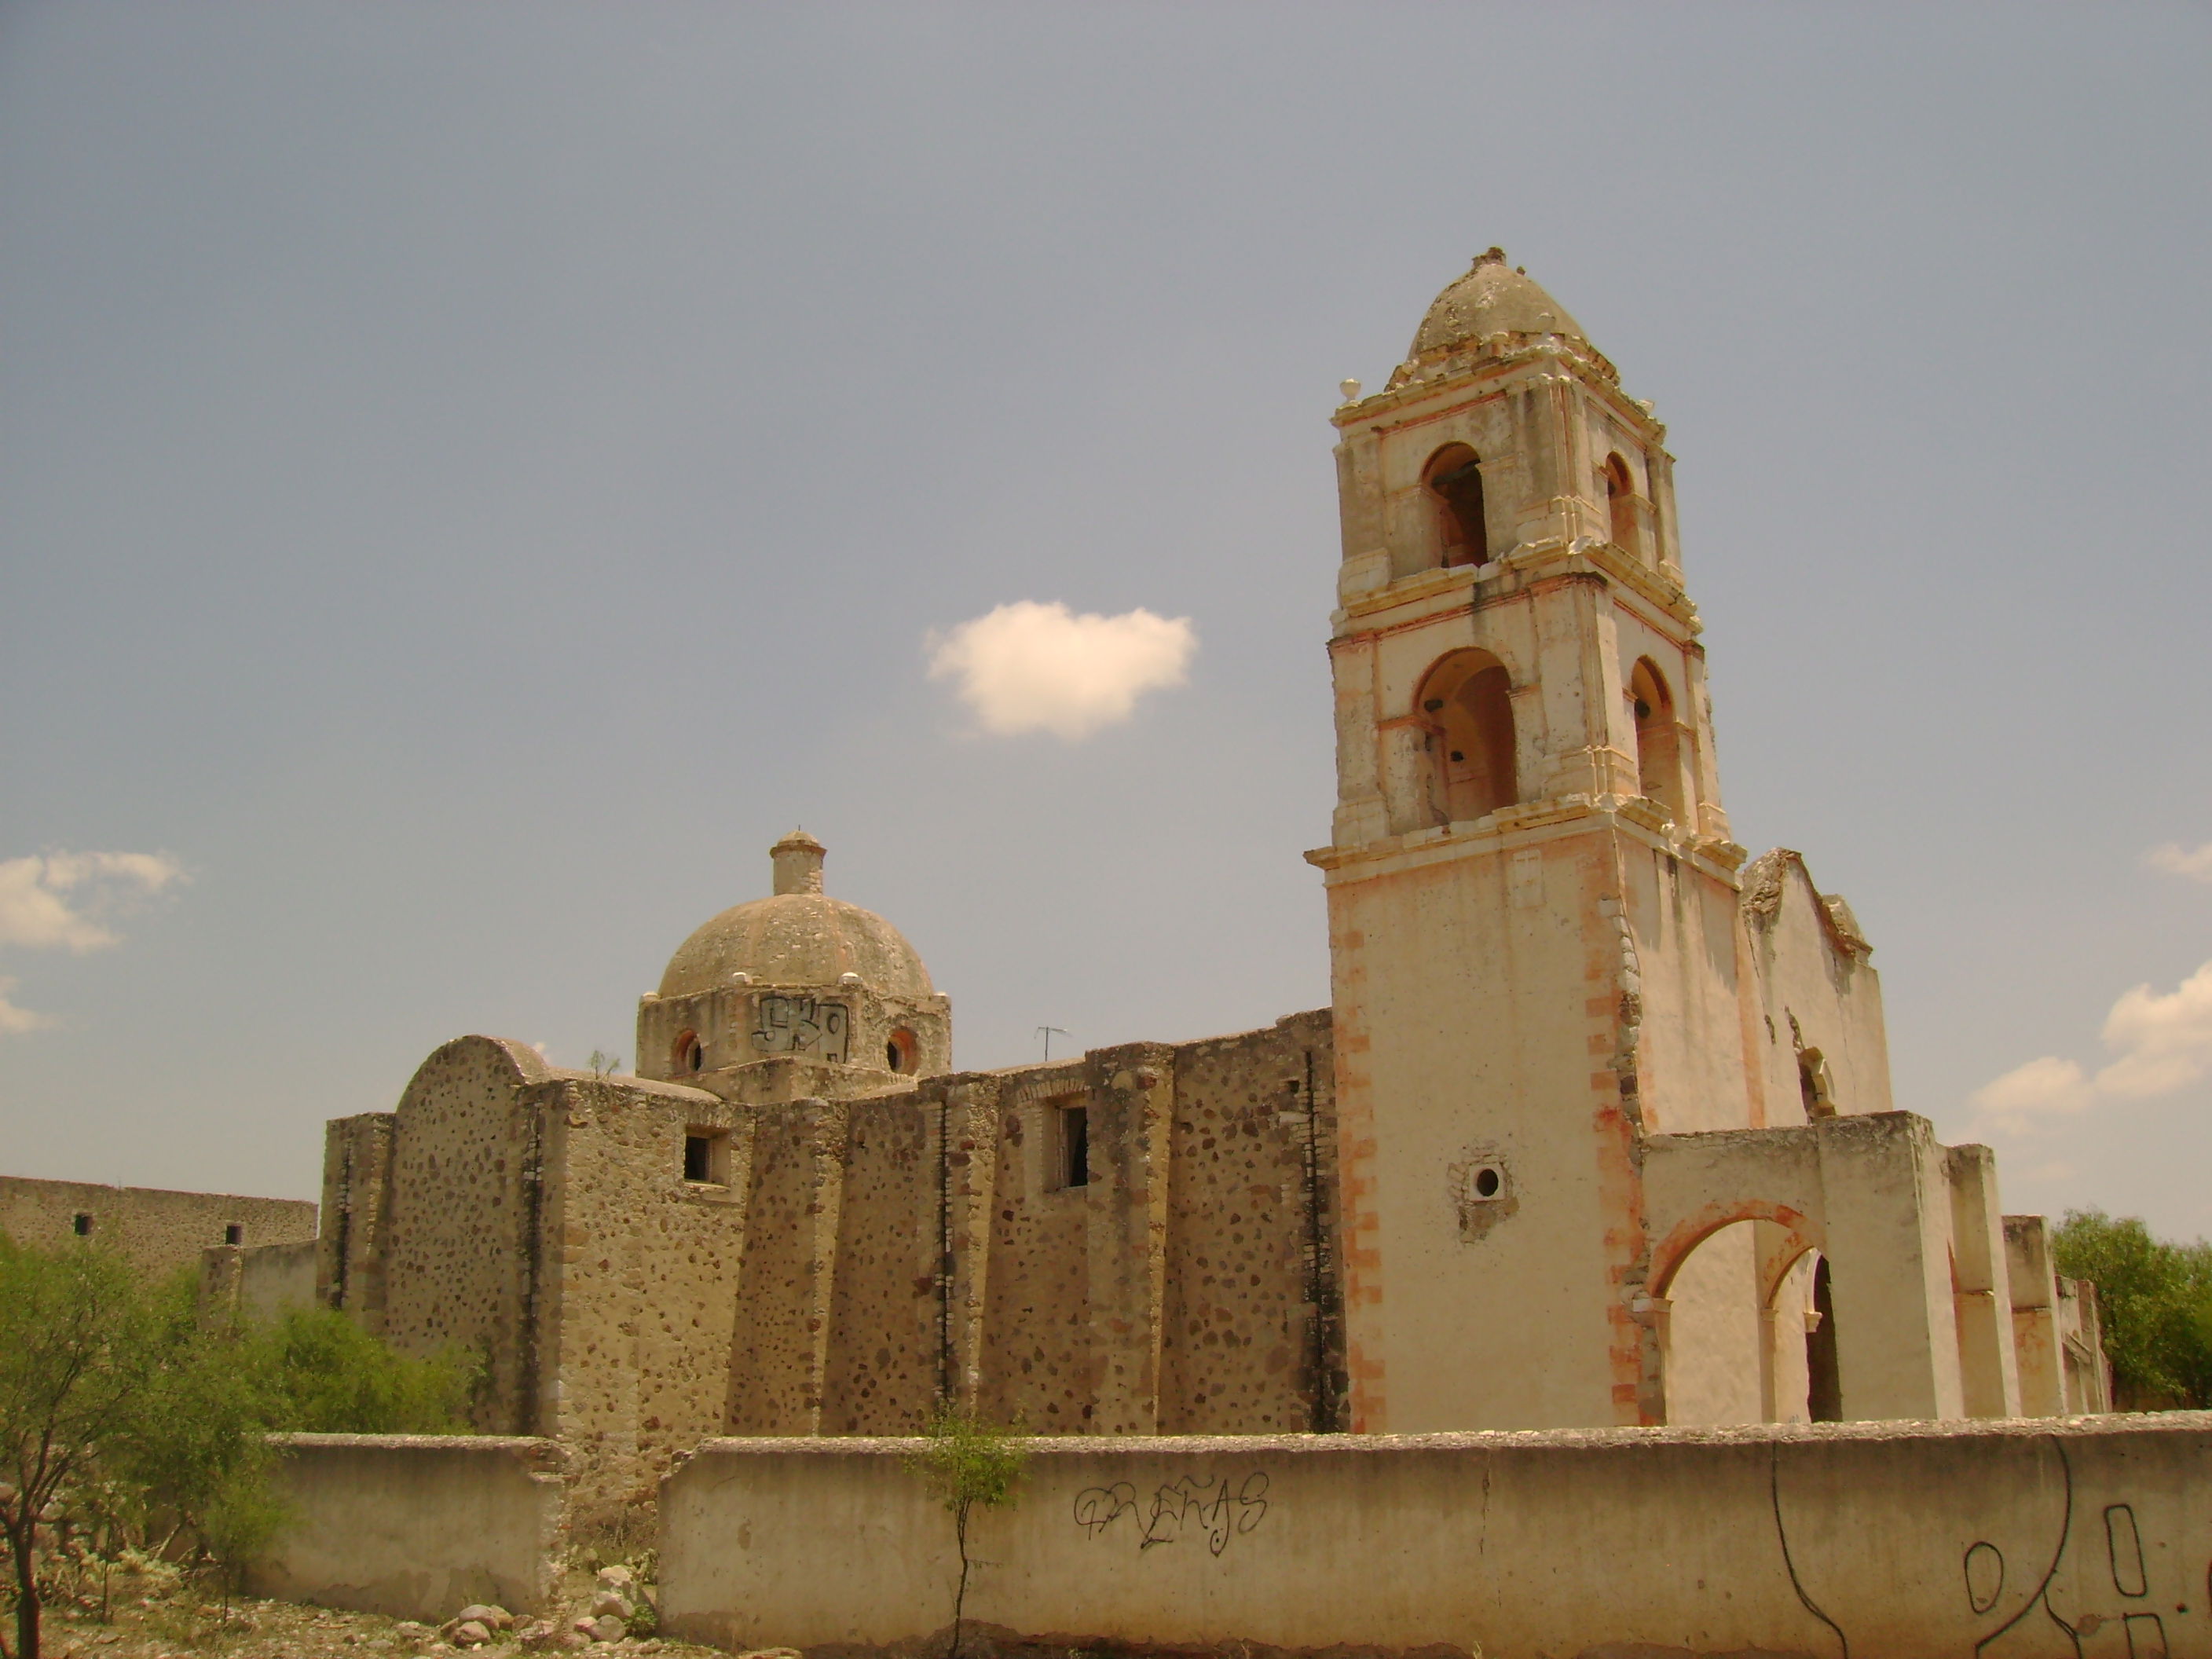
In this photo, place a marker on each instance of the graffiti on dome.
(807, 1026)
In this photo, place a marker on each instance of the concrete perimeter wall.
(416, 1526)
(2080, 1537)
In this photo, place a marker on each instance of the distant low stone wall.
(1898, 1540)
(416, 1526)
(260, 1283)
(155, 1230)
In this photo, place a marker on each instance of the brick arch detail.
(1684, 1235)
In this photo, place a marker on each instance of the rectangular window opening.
(81, 1224)
(1075, 1145)
(233, 1232)
(707, 1156)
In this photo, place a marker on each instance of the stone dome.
(798, 936)
(1492, 298)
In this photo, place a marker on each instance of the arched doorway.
(1747, 1334)
(1713, 1360)
(1824, 1381)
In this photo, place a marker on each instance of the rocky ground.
(156, 1614)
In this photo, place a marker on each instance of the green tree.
(2156, 1299)
(967, 1463)
(78, 1346)
(123, 1414)
(323, 1374)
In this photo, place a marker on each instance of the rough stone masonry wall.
(1899, 1541)
(790, 1256)
(928, 1238)
(848, 1260)
(882, 1368)
(1036, 1367)
(1252, 1342)
(459, 1244)
(158, 1232)
(630, 1307)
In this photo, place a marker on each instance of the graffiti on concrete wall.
(2075, 1576)
(1179, 1510)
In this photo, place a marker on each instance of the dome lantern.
(796, 975)
(798, 860)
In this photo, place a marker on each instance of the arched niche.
(1620, 505)
(1467, 713)
(1658, 739)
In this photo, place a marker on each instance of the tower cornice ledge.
(1530, 824)
(1427, 593)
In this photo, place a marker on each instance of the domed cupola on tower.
(1496, 310)
(796, 994)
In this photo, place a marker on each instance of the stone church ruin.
(1596, 1132)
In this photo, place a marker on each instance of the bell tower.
(1532, 891)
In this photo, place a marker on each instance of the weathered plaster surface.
(415, 1526)
(1905, 1541)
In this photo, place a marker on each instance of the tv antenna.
(1048, 1032)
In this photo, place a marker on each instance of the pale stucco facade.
(1611, 1094)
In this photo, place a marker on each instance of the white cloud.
(15, 1021)
(2175, 860)
(1031, 667)
(2045, 1087)
(61, 901)
(66, 901)
(2162, 1041)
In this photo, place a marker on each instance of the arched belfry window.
(1466, 707)
(1454, 478)
(1658, 739)
(1620, 505)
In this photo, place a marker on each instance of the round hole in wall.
(1486, 1183)
(1432, 704)
(1457, 755)
(900, 1050)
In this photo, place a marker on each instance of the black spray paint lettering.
(1189, 1507)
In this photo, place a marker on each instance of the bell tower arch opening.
(1620, 505)
(1453, 478)
(1467, 710)
(1658, 739)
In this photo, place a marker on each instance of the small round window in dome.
(690, 1055)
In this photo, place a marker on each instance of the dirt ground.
(164, 1618)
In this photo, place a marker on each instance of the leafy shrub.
(2156, 1298)
(128, 1422)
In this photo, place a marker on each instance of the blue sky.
(471, 477)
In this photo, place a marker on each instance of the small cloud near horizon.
(68, 902)
(14, 1020)
(2175, 860)
(2163, 1043)
(1031, 667)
